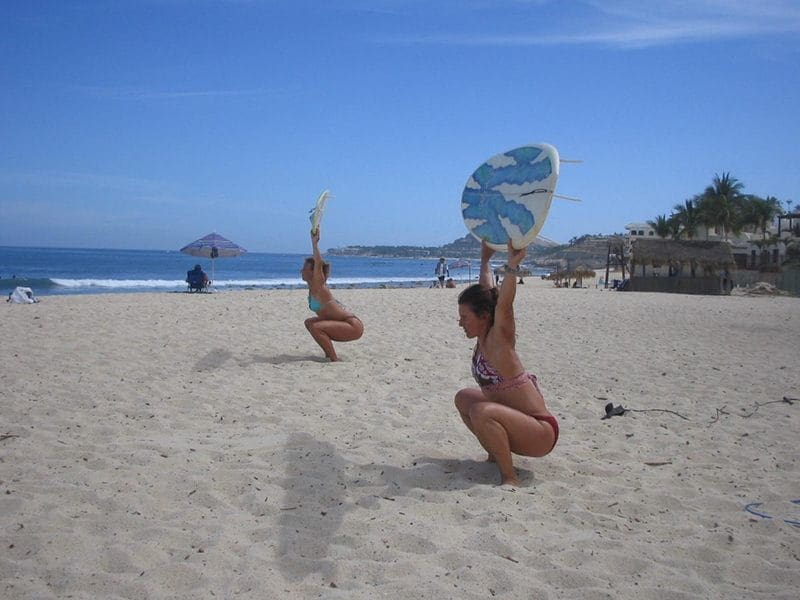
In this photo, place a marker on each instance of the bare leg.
(325, 332)
(465, 399)
(502, 430)
(321, 338)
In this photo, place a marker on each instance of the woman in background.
(334, 322)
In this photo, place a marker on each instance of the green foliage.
(661, 226)
(722, 201)
(687, 217)
(760, 212)
(722, 204)
(588, 236)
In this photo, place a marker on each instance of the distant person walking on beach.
(333, 323)
(442, 271)
(508, 413)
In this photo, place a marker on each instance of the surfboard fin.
(547, 239)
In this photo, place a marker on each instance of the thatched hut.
(711, 257)
(558, 277)
(687, 266)
(582, 272)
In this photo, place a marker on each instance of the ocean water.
(50, 271)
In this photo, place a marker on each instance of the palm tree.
(675, 228)
(723, 203)
(762, 211)
(661, 226)
(687, 216)
(705, 213)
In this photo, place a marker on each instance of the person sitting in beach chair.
(197, 279)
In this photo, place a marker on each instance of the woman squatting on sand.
(508, 413)
(334, 322)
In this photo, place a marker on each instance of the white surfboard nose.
(509, 195)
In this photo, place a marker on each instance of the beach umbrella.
(461, 264)
(583, 272)
(557, 276)
(213, 246)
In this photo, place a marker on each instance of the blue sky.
(149, 123)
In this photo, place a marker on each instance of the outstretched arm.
(486, 278)
(504, 311)
(318, 272)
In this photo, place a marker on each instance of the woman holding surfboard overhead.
(333, 323)
(508, 413)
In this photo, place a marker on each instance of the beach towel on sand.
(22, 295)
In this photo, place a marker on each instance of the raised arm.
(486, 278)
(319, 274)
(504, 311)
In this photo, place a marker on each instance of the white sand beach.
(197, 446)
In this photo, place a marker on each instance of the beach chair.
(197, 280)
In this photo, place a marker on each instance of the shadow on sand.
(321, 487)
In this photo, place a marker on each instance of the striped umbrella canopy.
(213, 246)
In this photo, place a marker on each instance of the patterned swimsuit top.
(487, 377)
(483, 372)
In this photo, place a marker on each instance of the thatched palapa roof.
(582, 272)
(715, 255)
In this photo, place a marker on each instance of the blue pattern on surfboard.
(490, 205)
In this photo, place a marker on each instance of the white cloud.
(635, 24)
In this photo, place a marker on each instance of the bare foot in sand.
(510, 486)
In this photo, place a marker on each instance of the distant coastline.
(421, 252)
(588, 250)
(465, 247)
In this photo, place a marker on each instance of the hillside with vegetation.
(465, 247)
(589, 250)
(592, 251)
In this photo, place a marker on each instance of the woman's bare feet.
(510, 482)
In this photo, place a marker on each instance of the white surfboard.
(318, 210)
(509, 196)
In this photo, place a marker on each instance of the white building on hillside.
(639, 230)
